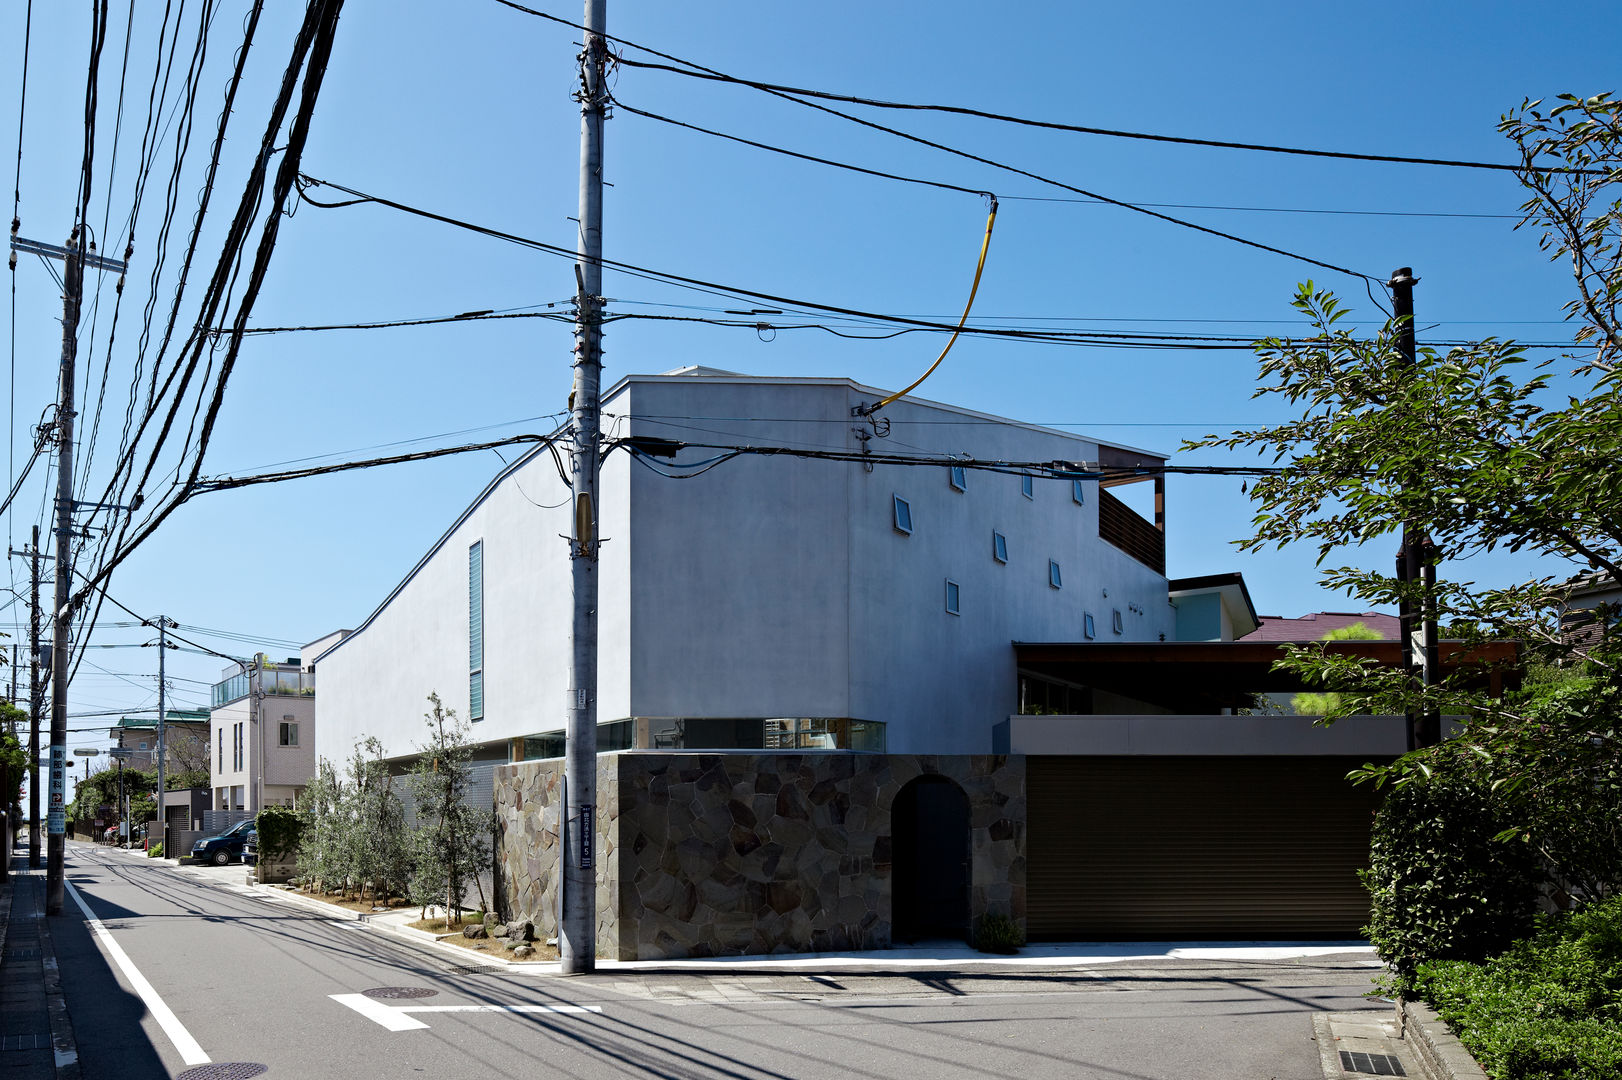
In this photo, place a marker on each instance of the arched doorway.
(930, 860)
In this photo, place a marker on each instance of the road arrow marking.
(394, 1018)
(387, 1015)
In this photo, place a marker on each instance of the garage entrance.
(1148, 847)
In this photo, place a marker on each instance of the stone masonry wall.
(716, 854)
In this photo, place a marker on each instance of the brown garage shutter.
(1196, 847)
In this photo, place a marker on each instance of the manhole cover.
(224, 1070)
(1355, 1061)
(395, 993)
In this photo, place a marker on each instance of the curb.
(406, 934)
(1439, 1051)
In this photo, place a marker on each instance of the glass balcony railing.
(272, 681)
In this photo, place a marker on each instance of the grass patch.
(1549, 1008)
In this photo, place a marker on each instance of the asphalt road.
(271, 984)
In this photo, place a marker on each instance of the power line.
(692, 69)
(306, 182)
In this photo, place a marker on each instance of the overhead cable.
(693, 69)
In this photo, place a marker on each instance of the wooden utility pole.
(577, 930)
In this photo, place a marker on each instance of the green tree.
(1481, 449)
(1310, 703)
(375, 844)
(452, 838)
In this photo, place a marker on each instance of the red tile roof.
(1313, 627)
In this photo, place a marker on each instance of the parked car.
(221, 849)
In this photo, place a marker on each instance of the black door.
(930, 890)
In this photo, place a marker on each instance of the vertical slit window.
(475, 631)
(959, 477)
(999, 546)
(1077, 495)
(1053, 575)
(952, 599)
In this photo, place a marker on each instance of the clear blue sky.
(464, 108)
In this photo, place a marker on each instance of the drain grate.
(396, 993)
(225, 1070)
(1355, 1061)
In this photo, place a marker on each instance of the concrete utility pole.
(577, 932)
(61, 611)
(1416, 558)
(163, 623)
(73, 263)
(32, 552)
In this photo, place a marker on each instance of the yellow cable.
(985, 246)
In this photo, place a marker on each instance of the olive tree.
(452, 840)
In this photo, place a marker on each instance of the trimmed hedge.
(280, 830)
(1441, 888)
(1549, 1008)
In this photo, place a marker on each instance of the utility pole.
(61, 613)
(73, 263)
(1416, 560)
(163, 623)
(32, 552)
(577, 930)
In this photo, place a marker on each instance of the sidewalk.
(36, 1036)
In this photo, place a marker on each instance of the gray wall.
(767, 587)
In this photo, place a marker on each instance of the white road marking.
(185, 1045)
(565, 1009)
(394, 1018)
(389, 1017)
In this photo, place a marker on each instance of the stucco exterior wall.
(768, 587)
(726, 854)
(377, 680)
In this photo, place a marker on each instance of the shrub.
(155, 851)
(1550, 1006)
(279, 828)
(1441, 887)
(998, 934)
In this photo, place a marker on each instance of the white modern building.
(764, 600)
(262, 730)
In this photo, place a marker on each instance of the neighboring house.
(1213, 607)
(262, 738)
(185, 740)
(1316, 626)
(1593, 605)
(772, 602)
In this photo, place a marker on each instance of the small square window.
(999, 546)
(1118, 628)
(287, 734)
(1025, 487)
(959, 477)
(1088, 630)
(903, 516)
(952, 598)
(1053, 575)
(1077, 494)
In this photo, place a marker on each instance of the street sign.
(56, 811)
(85, 751)
(120, 752)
